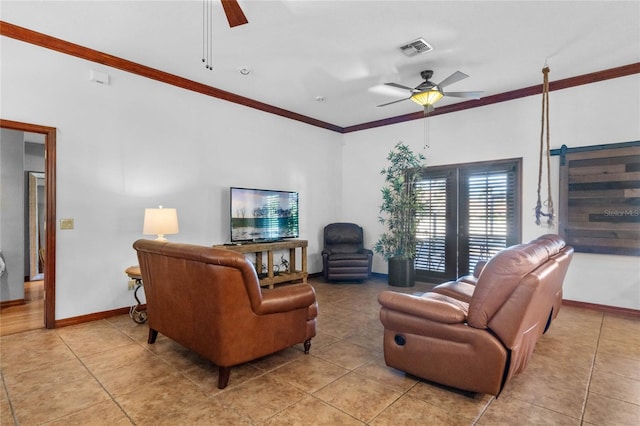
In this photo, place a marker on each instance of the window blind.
(487, 213)
(431, 231)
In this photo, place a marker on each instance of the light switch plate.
(66, 223)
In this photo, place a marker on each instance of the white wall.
(138, 143)
(599, 113)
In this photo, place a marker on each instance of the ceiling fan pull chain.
(204, 26)
(210, 41)
(426, 128)
(207, 33)
(545, 120)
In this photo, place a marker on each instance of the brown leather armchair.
(210, 301)
(481, 344)
(344, 257)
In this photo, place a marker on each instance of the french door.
(471, 212)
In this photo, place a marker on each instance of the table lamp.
(160, 222)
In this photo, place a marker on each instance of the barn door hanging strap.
(545, 127)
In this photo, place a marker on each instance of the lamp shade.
(428, 97)
(160, 222)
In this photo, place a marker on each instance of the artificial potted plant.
(398, 213)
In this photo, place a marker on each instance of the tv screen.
(261, 214)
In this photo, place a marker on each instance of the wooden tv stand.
(272, 277)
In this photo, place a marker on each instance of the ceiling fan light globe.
(428, 97)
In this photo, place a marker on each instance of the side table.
(137, 314)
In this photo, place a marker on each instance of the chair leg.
(307, 346)
(153, 335)
(223, 377)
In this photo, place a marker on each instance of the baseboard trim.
(635, 313)
(94, 317)
(10, 303)
(379, 276)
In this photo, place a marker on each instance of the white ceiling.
(345, 50)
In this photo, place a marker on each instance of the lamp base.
(161, 238)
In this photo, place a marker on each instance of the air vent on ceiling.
(414, 47)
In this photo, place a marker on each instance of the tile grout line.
(135, 335)
(350, 310)
(592, 368)
(484, 410)
(93, 375)
(6, 391)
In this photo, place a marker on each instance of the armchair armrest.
(430, 306)
(285, 299)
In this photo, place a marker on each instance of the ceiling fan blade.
(468, 95)
(393, 102)
(235, 16)
(400, 86)
(453, 78)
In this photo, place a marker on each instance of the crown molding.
(43, 40)
(580, 80)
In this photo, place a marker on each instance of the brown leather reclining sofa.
(476, 334)
(210, 301)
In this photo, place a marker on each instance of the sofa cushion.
(460, 290)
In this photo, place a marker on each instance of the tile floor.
(585, 370)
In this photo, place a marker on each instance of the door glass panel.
(432, 230)
(486, 215)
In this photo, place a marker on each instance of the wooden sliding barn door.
(600, 198)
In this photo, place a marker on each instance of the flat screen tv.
(263, 215)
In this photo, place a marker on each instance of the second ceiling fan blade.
(469, 95)
(453, 78)
(235, 16)
(393, 102)
(400, 86)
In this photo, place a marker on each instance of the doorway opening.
(47, 249)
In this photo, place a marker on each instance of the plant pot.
(401, 272)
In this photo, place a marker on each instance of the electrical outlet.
(132, 284)
(66, 223)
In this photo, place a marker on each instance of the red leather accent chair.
(210, 301)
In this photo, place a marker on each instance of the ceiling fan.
(234, 13)
(428, 93)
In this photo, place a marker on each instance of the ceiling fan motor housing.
(426, 74)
